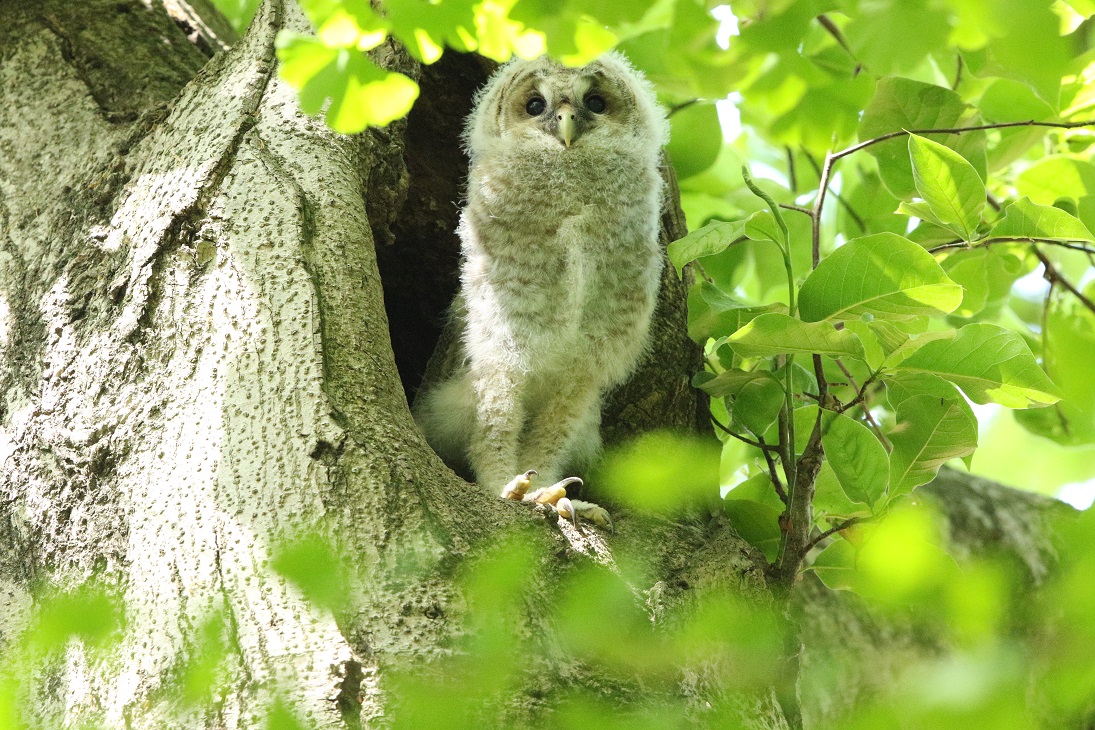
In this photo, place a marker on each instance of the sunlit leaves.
(1011, 101)
(948, 184)
(695, 139)
(883, 275)
(1056, 177)
(903, 386)
(1025, 44)
(891, 36)
(357, 93)
(713, 238)
(903, 104)
(990, 364)
(986, 276)
(427, 28)
(346, 23)
(1024, 219)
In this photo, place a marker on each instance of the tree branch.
(839, 527)
(1053, 276)
(1010, 239)
(739, 437)
(957, 130)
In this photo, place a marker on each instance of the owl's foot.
(518, 486)
(556, 498)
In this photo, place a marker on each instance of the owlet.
(559, 274)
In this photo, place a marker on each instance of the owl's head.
(544, 104)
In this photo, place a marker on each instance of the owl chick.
(559, 274)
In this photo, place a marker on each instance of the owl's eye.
(596, 104)
(535, 106)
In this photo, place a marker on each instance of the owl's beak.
(566, 123)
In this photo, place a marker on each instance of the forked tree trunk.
(198, 362)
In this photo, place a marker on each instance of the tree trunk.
(198, 363)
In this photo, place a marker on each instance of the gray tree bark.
(197, 362)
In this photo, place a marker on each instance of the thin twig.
(738, 436)
(861, 399)
(796, 208)
(1013, 239)
(823, 187)
(683, 105)
(856, 217)
(699, 267)
(861, 395)
(834, 31)
(1052, 275)
(791, 177)
(958, 130)
(839, 527)
(767, 450)
(958, 74)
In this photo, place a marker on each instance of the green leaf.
(900, 387)
(986, 276)
(757, 488)
(1069, 345)
(729, 382)
(312, 565)
(911, 343)
(929, 431)
(903, 104)
(923, 211)
(1024, 219)
(1028, 47)
(426, 28)
(856, 456)
(835, 566)
(1011, 101)
(713, 238)
(762, 226)
(893, 36)
(830, 501)
(1056, 177)
(758, 403)
(358, 92)
(695, 139)
(883, 275)
(948, 184)
(714, 313)
(780, 334)
(990, 364)
(758, 524)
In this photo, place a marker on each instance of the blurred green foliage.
(931, 291)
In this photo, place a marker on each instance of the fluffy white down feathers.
(560, 267)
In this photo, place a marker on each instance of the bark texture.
(197, 362)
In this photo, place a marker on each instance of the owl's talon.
(593, 512)
(551, 495)
(566, 510)
(518, 486)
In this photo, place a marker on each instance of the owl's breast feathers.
(567, 245)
